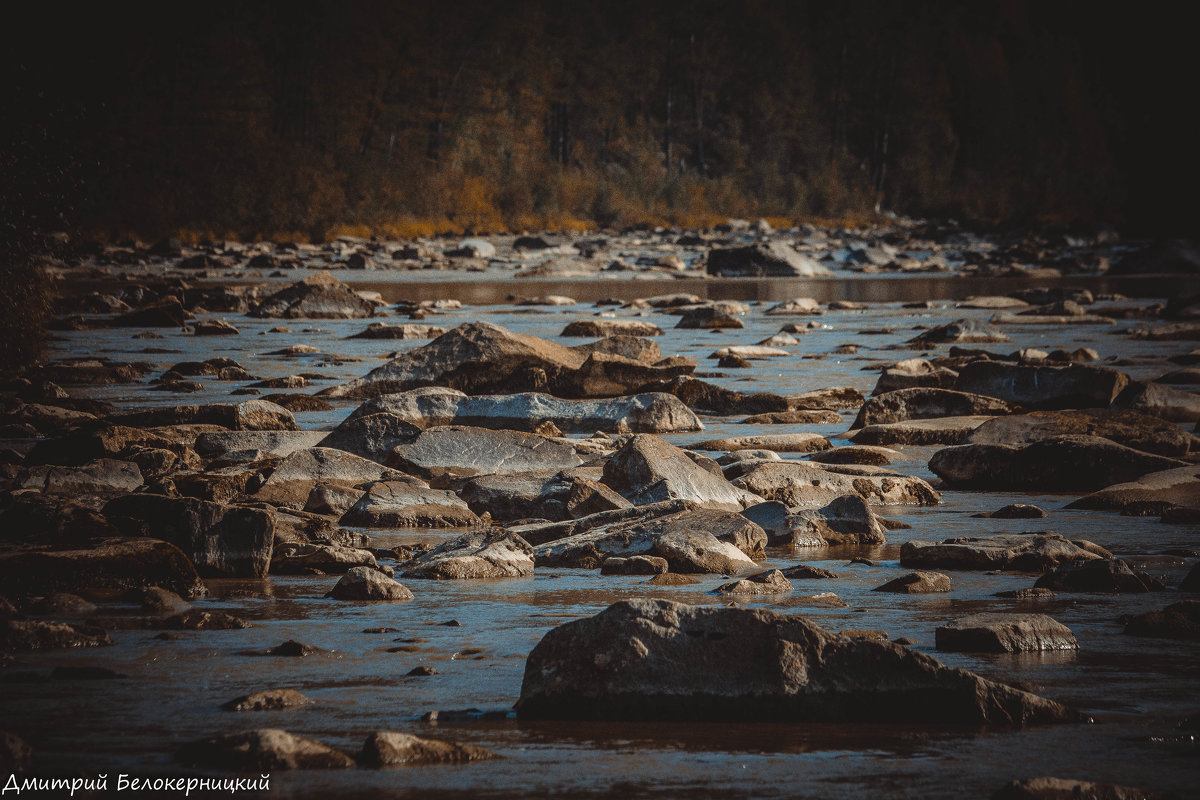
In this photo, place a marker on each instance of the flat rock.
(298, 474)
(457, 450)
(750, 664)
(365, 583)
(1159, 401)
(387, 748)
(774, 259)
(1108, 575)
(769, 582)
(1034, 387)
(221, 445)
(858, 454)
(750, 352)
(104, 476)
(479, 554)
(962, 331)
(1013, 511)
(265, 750)
(796, 306)
(23, 635)
(249, 415)
(779, 443)
(1021, 552)
(113, 563)
(1129, 428)
(712, 399)
(803, 485)
(321, 296)
(919, 582)
(634, 565)
(708, 318)
(1005, 633)
(304, 558)
(594, 328)
(795, 417)
(399, 504)
(384, 330)
(1177, 621)
(917, 403)
(269, 700)
(647, 469)
(945, 430)
(1180, 486)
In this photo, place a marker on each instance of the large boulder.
(1021, 552)
(845, 520)
(1179, 486)
(265, 750)
(460, 450)
(656, 412)
(802, 485)
(648, 469)
(115, 563)
(1005, 633)
(479, 554)
(400, 504)
(943, 430)
(698, 541)
(371, 436)
(1061, 463)
(222, 541)
(774, 259)
(928, 403)
(320, 296)
(751, 664)
(1075, 386)
(1108, 575)
(250, 415)
(1130, 428)
(1177, 621)
(297, 475)
(365, 583)
(962, 331)
(102, 477)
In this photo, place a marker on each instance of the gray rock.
(1159, 401)
(321, 296)
(478, 554)
(902, 405)
(298, 474)
(219, 445)
(647, 470)
(1177, 621)
(302, 558)
(1179, 486)
(399, 504)
(102, 477)
(769, 582)
(778, 443)
(1129, 428)
(537, 533)
(371, 436)
(265, 750)
(1021, 552)
(634, 565)
(463, 451)
(1014, 511)
(365, 583)
(1005, 633)
(804, 485)
(250, 415)
(845, 520)
(1075, 386)
(919, 582)
(946, 430)
(772, 259)
(386, 749)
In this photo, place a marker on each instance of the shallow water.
(1138, 689)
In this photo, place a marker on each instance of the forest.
(304, 120)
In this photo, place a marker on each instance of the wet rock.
(845, 520)
(1177, 621)
(919, 582)
(1014, 511)
(708, 318)
(298, 474)
(647, 469)
(858, 454)
(386, 749)
(831, 398)
(293, 649)
(587, 497)
(769, 582)
(321, 296)
(384, 330)
(1129, 428)
(709, 398)
(1062, 463)
(739, 456)
(797, 305)
(750, 664)
(699, 541)
(804, 485)
(62, 604)
(1027, 594)
(1179, 486)
(251, 415)
(398, 504)
(1043, 387)
(1174, 256)
(596, 328)
(672, 579)
(479, 554)
(255, 445)
(541, 532)
(157, 600)
(20, 635)
(266, 750)
(1005, 633)
(365, 583)
(808, 572)
(165, 313)
(540, 494)
(371, 436)
(200, 620)
(222, 541)
(1021, 552)
(773, 259)
(214, 327)
(946, 430)
(299, 558)
(779, 443)
(463, 451)
(749, 352)
(796, 417)
(634, 348)
(1069, 789)
(1109, 575)
(634, 565)
(914, 373)
(963, 331)
(269, 700)
(919, 403)
(1159, 401)
(112, 563)
(422, 671)
(104, 476)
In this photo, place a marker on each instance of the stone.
(672, 579)
(399, 504)
(1020, 552)
(1043, 387)
(919, 582)
(945, 430)
(804, 485)
(157, 600)
(478, 554)
(265, 750)
(709, 398)
(1172, 256)
(371, 436)
(1109, 575)
(1005, 633)
(165, 313)
(214, 327)
(647, 469)
(902, 405)
(779, 443)
(112, 563)
(384, 330)
(797, 305)
(269, 700)
(365, 583)
(962, 331)
(1179, 486)
(914, 373)
(634, 565)
(1069, 789)
(1129, 428)
(200, 620)
(1014, 511)
(1159, 401)
(751, 664)
(845, 520)
(386, 749)
(459, 450)
(250, 415)
(749, 352)
(761, 260)
(62, 604)
(1177, 621)
(541, 532)
(769, 582)
(104, 476)
(1192, 582)
(225, 445)
(297, 475)
(708, 318)
(23, 635)
(321, 296)
(1062, 463)
(796, 417)
(303, 558)
(831, 398)
(870, 455)
(597, 328)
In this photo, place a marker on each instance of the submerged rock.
(269, 700)
(747, 664)
(265, 750)
(302, 558)
(962, 331)
(1177, 621)
(1022, 552)
(1109, 575)
(1005, 633)
(365, 583)
(944, 430)
(386, 748)
(31, 634)
(803, 485)
(769, 582)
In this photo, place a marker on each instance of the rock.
(902, 405)
(543, 494)
(797, 417)
(750, 664)
(384, 330)
(831, 398)
(634, 565)
(587, 497)
(165, 313)
(750, 352)
(869, 455)
(914, 373)
(251, 415)
(157, 600)
(371, 436)
(199, 620)
(479, 554)
(365, 583)
(20, 635)
(1110, 575)
(398, 504)
(293, 649)
(992, 302)
(62, 604)
(214, 327)
(1172, 256)
(672, 579)
(541, 532)
(946, 430)
(804, 485)
(16, 756)
(919, 582)
(708, 318)
(265, 750)
(229, 445)
(807, 572)
(596, 328)
(845, 520)
(301, 558)
(270, 700)
(385, 749)
(1179, 486)
(321, 296)
(634, 348)
(1014, 511)
(698, 541)
(1020, 552)
(779, 443)
(773, 259)
(656, 412)
(1027, 594)
(113, 563)
(1062, 463)
(797, 305)
(1177, 621)
(298, 474)
(647, 469)
(463, 451)
(1192, 582)
(1159, 401)
(1130, 428)
(962, 331)
(102, 477)
(1075, 386)
(1005, 633)
(1064, 789)
(712, 399)
(768, 582)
